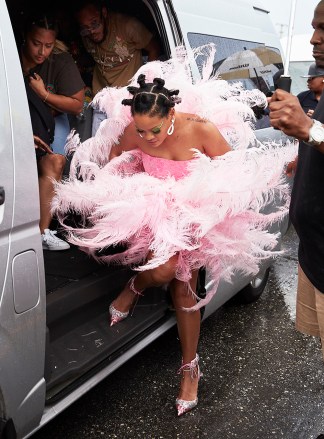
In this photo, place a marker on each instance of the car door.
(22, 287)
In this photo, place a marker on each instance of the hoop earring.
(171, 127)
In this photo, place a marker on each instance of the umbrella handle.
(284, 83)
(290, 35)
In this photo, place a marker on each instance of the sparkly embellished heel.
(117, 316)
(193, 368)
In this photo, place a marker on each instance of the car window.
(251, 63)
(296, 71)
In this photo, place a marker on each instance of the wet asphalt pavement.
(262, 379)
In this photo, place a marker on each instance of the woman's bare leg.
(189, 329)
(151, 278)
(188, 321)
(50, 166)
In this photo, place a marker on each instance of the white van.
(55, 339)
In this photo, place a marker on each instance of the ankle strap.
(192, 368)
(132, 286)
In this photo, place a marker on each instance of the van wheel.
(254, 289)
(201, 288)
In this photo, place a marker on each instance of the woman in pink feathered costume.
(177, 194)
(168, 141)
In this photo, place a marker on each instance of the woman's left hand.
(291, 167)
(37, 84)
(40, 144)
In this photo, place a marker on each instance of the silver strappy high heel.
(117, 316)
(193, 368)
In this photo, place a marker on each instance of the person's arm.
(64, 104)
(214, 143)
(287, 115)
(126, 142)
(291, 167)
(142, 38)
(40, 144)
(153, 50)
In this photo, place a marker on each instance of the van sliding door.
(22, 287)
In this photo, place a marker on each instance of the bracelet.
(45, 99)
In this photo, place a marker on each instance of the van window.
(251, 63)
(297, 69)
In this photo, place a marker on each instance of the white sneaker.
(52, 242)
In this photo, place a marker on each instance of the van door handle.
(2, 195)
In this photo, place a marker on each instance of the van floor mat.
(94, 342)
(72, 263)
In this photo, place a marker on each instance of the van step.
(79, 338)
(73, 279)
(64, 267)
(75, 352)
(105, 284)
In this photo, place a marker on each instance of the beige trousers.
(309, 308)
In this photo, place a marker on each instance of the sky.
(280, 14)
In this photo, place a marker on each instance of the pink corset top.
(163, 168)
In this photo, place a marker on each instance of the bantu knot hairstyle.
(151, 98)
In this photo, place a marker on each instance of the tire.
(255, 288)
(201, 288)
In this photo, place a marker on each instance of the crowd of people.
(54, 89)
(59, 74)
(306, 207)
(315, 82)
(109, 52)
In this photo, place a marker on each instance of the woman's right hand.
(37, 84)
(287, 115)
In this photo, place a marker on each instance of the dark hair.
(79, 5)
(42, 21)
(151, 98)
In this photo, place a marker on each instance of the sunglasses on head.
(86, 30)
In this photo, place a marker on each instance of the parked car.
(55, 338)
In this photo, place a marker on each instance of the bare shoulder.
(194, 119)
(204, 135)
(198, 127)
(126, 142)
(128, 139)
(198, 124)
